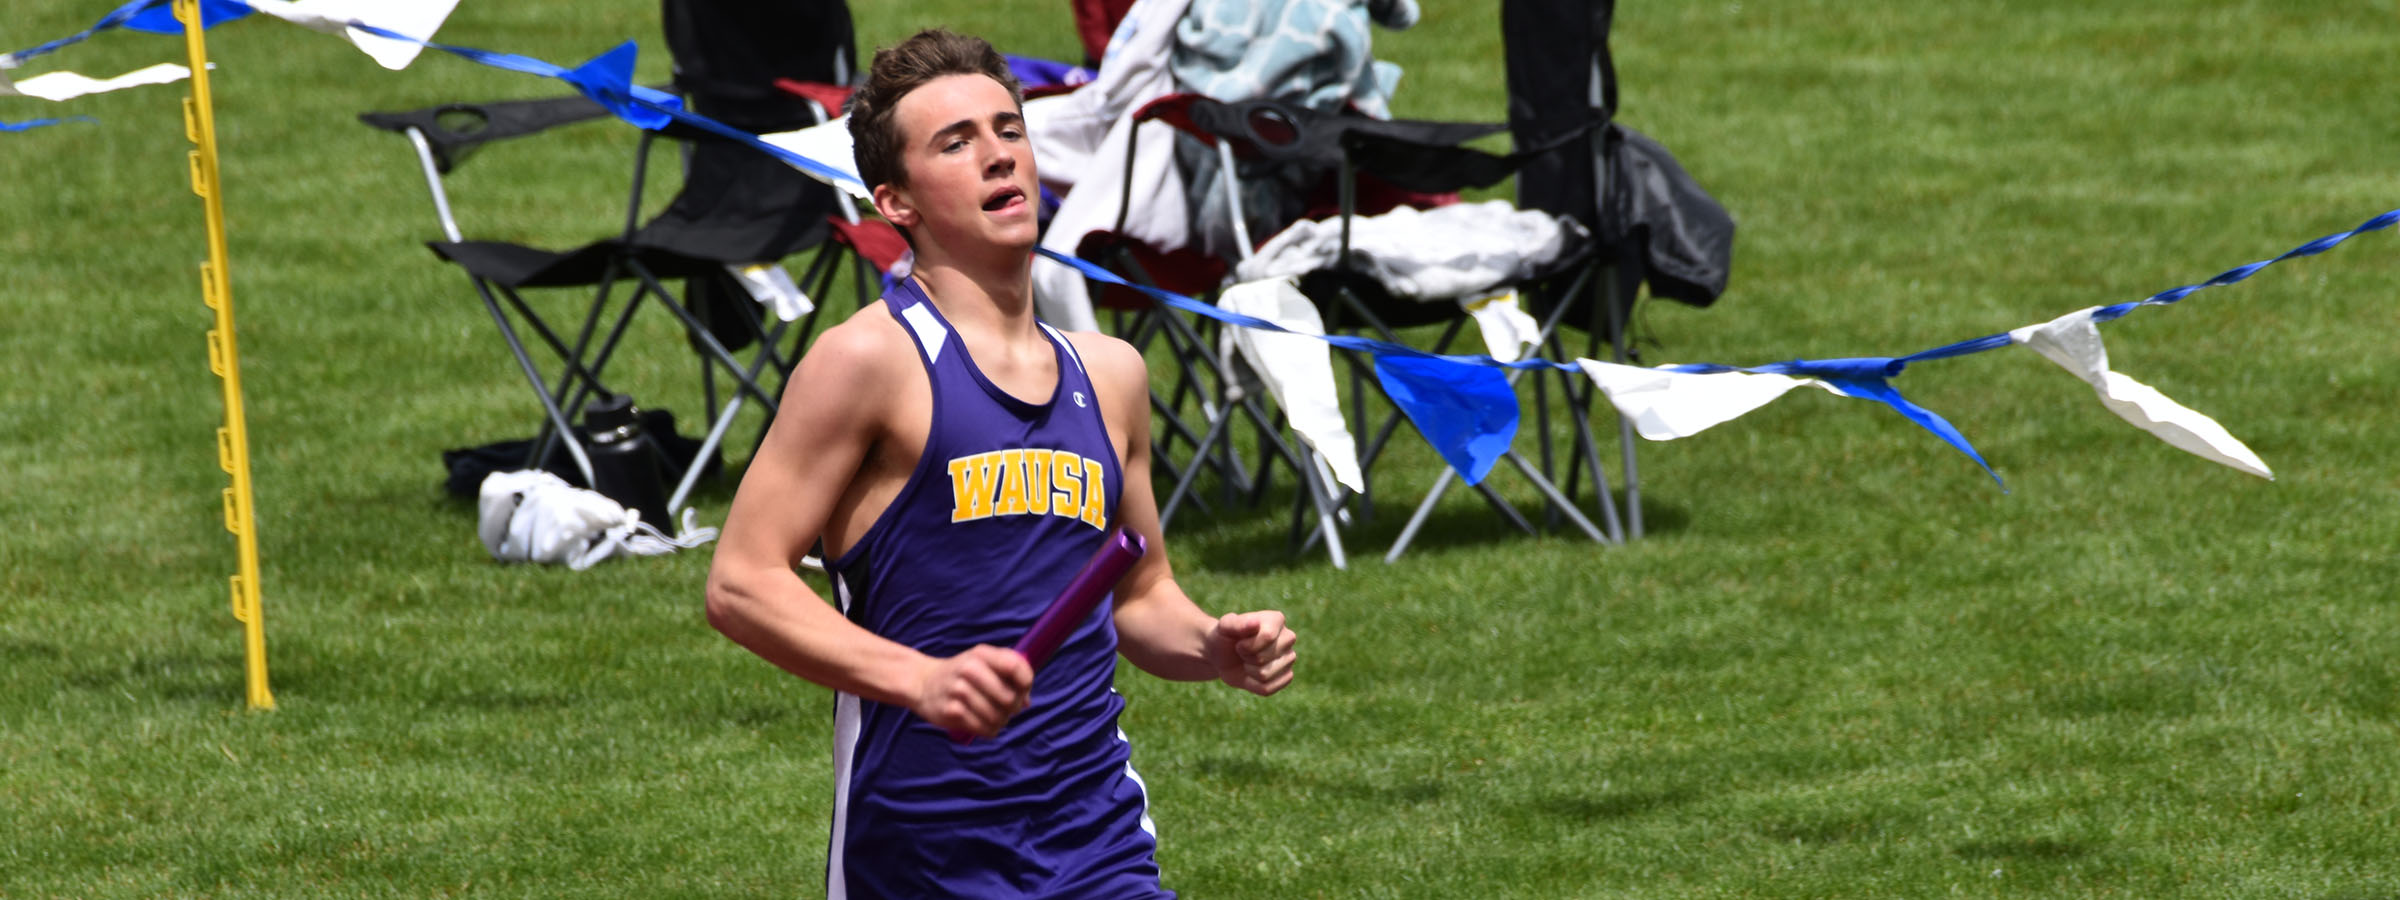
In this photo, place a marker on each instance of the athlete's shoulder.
(1110, 360)
(853, 369)
(868, 344)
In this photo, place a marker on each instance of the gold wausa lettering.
(1033, 470)
(1095, 496)
(970, 487)
(1066, 484)
(1011, 478)
(1028, 482)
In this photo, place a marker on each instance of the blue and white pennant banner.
(342, 17)
(1461, 403)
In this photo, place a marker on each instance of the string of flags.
(63, 85)
(1465, 409)
(348, 18)
(1462, 404)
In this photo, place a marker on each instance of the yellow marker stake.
(233, 440)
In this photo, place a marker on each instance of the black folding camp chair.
(738, 214)
(1651, 222)
(1392, 159)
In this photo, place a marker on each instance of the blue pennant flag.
(608, 80)
(30, 124)
(1466, 411)
(160, 19)
(1870, 378)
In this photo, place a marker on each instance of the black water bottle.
(625, 464)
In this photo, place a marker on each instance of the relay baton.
(1118, 552)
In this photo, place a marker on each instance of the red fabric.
(874, 239)
(1095, 20)
(830, 96)
(1176, 111)
(1184, 270)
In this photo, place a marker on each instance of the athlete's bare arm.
(839, 450)
(1160, 629)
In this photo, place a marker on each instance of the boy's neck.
(996, 294)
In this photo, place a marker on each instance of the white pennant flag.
(829, 144)
(415, 18)
(1664, 405)
(1507, 329)
(69, 85)
(1297, 370)
(2073, 342)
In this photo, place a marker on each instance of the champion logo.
(1078, 398)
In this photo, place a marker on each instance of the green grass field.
(1843, 664)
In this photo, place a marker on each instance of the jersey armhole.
(925, 454)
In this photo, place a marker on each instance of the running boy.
(959, 460)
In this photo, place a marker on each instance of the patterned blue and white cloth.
(1313, 53)
(1317, 53)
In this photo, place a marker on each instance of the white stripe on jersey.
(930, 331)
(1148, 827)
(1077, 358)
(845, 754)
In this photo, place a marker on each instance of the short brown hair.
(897, 70)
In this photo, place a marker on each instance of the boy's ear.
(895, 206)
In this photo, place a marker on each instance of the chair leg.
(818, 280)
(1587, 453)
(1579, 395)
(1541, 431)
(1441, 485)
(1550, 491)
(1633, 478)
(1183, 485)
(1318, 490)
(1147, 324)
(1270, 448)
(1366, 465)
(559, 423)
(575, 360)
(1552, 497)
(584, 387)
(1416, 520)
(1576, 401)
(573, 368)
(714, 348)
(1181, 335)
(708, 385)
(1162, 449)
(724, 420)
(1326, 526)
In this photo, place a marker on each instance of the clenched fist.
(1253, 651)
(975, 692)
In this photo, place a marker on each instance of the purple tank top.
(1007, 501)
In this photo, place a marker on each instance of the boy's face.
(969, 165)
